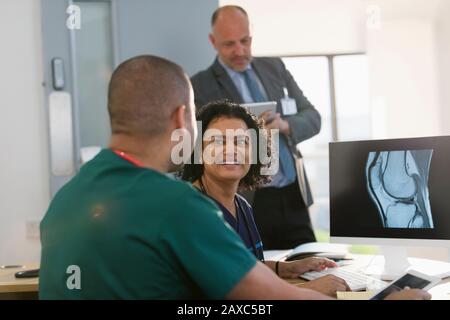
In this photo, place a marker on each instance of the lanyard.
(247, 224)
(128, 158)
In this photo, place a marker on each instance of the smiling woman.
(217, 118)
(226, 165)
(220, 181)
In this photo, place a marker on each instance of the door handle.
(58, 74)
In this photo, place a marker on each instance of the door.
(83, 41)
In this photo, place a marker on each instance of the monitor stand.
(395, 262)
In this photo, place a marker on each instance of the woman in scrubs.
(225, 169)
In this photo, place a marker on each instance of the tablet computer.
(412, 279)
(258, 108)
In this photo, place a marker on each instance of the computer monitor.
(393, 193)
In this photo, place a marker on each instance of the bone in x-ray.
(398, 185)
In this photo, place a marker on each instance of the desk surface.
(369, 263)
(439, 292)
(10, 284)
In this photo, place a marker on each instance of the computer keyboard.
(356, 280)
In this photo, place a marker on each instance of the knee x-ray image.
(397, 182)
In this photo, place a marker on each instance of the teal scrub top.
(135, 233)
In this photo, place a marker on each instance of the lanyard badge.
(288, 105)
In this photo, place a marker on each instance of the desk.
(13, 288)
(369, 264)
(22, 289)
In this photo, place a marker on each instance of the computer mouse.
(28, 273)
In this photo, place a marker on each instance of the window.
(337, 85)
(352, 97)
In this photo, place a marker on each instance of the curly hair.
(227, 109)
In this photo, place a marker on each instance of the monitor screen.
(391, 188)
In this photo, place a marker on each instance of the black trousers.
(282, 218)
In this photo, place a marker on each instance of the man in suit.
(280, 208)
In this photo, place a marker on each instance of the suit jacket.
(214, 83)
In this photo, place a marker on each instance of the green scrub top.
(118, 231)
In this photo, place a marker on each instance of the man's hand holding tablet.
(267, 112)
(264, 110)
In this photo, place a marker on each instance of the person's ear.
(178, 117)
(212, 40)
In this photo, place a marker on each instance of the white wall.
(403, 75)
(305, 26)
(402, 54)
(24, 189)
(443, 49)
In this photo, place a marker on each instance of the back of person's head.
(143, 93)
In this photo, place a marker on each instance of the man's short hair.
(216, 13)
(143, 93)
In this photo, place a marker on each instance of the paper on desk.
(355, 295)
(440, 292)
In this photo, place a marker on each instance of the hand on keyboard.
(295, 268)
(357, 281)
(327, 285)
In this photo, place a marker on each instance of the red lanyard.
(128, 158)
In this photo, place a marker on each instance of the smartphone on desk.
(34, 273)
(412, 279)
